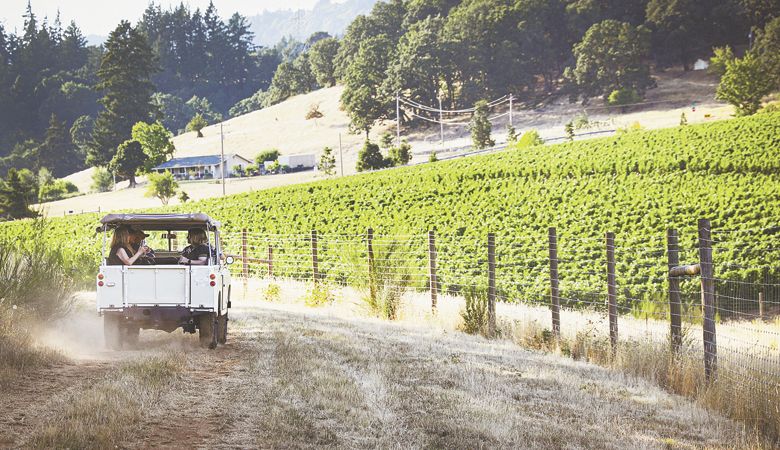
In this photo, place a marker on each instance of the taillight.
(100, 276)
(212, 276)
(100, 283)
(213, 283)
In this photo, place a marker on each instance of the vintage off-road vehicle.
(164, 295)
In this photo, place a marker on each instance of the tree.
(679, 30)
(172, 111)
(569, 128)
(183, 197)
(267, 155)
(17, 192)
(56, 152)
(744, 84)
(721, 56)
(102, 180)
(128, 158)
(362, 98)
(162, 186)
(530, 138)
(480, 126)
(511, 133)
(202, 106)
(81, 136)
(327, 164)
(322, 58)
(370, 158)
(124, 73)
(401, 155)
(611, 57)
(197, 124)
(767, 48)
(155, 142)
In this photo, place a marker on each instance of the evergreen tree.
(124, 79)
(322, 59)
(480, 126)
(16, 195)
(56, 153)
(327, 164)
(370, 158)
(73, 48)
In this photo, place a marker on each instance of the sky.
(99, 17)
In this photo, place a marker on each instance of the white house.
(198, 167)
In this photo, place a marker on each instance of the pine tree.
(124, 78)
(327, 163)
(15, 195)
(56, 153)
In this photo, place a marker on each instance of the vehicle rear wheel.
(111, 332)
(130, 335)
(206, 334)
(222, 324)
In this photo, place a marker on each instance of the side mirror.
(229, 260)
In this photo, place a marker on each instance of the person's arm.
(127, 260)
(201, 261)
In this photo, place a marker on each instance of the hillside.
(284, 126)
(635, 184)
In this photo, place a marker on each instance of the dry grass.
(19, 353)
(104, 413)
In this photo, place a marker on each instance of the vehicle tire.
(206, 335)
(112, 333)
(222, 324)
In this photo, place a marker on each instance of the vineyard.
(636, 185)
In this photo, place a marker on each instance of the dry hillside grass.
(296, 377)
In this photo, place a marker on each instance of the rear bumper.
(166, 318)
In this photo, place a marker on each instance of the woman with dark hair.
(197, 253)
(122, 248)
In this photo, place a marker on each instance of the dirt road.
(301, 378)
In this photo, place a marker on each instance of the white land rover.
(163, 294)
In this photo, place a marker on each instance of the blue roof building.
(198, 167)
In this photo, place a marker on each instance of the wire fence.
(725, 315)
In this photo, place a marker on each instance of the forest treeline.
(65, 106)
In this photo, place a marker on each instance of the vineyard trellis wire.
(611, 289)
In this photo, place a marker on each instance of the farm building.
(199, 167)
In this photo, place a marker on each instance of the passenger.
(137, 237)
(197, 253)
(121, 248)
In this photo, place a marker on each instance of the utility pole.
(341, 156)
(398, 118)
(441, 122)
(511, 97)
(222, 160)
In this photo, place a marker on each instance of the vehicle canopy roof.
(158, 221)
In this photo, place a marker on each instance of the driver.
(197, 253)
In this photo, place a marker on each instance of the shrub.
(511, 134)
(327, 164)
(475, 314)
(480, 126)
(318, 294)
(183, 197)
(623, 96)
(633, 128)
(271, 154)
(56, 190)
(683, 119)
(744, 84)
(530, 138)
(314, 112)
(102, 180)
(370, 158)
(569, 128)
(272, 293)
(401, 155)
(432, 158)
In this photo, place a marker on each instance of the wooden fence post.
(270, 260)
(434, 282)
(371, 280)
(555, 302)
(612, 292)
(315, 270)
(244, 257)
(491, 285)
(761, 305)
(675, 307)
(708, 300)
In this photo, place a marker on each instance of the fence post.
(244, 257)
(612, 292)
(675, 308)
(708, 300)
(371, 280)
(315, 270)
(761, 305)
(432, 269)
(491, 285)
(270, 260)
(555, 302)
